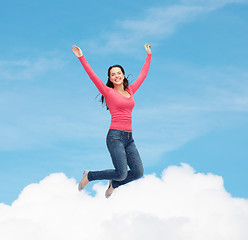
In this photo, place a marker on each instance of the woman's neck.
(119, 88)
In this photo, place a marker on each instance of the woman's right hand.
(77, 51)
(147, 47)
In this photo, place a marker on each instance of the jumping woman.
(119, 99)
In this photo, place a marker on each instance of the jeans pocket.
(115, 137)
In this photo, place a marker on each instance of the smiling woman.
(120, 102)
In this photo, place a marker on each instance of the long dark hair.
(110, 84)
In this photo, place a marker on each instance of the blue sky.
(192, 108)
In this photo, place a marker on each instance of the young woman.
(120, 102)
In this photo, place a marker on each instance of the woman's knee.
(122, 175)
(139, 173)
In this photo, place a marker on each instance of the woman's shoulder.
(108, 90)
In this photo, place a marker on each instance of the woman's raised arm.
(135, 86)
(95, 79)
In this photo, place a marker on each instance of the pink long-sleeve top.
(120, 107)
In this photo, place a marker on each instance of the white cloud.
(181, 204)
(27, 69)
(153, 25)
(156, 23)
(161, 21)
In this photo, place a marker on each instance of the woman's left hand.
(147, 47)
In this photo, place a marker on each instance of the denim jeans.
(124, 154)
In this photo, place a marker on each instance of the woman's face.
(116, 76)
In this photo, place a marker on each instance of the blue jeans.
(123, 153)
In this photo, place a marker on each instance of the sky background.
(192, 108)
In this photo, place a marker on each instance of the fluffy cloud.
(27, 69)
(155, 23)
(181, 204)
